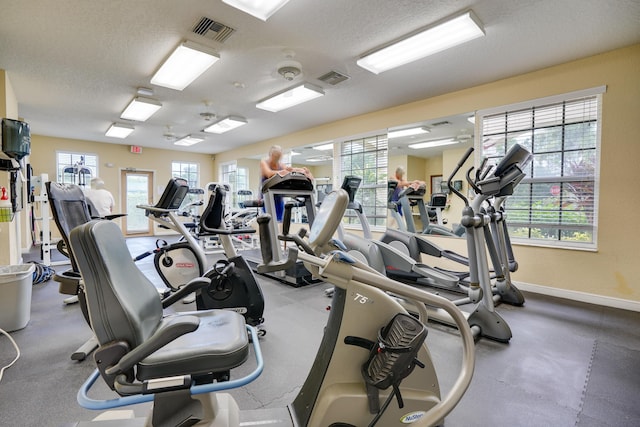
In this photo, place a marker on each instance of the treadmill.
(299, 187)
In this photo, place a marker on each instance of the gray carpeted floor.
(568, 364)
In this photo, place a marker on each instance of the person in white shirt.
(100, 197)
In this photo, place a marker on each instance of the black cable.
(384, 408)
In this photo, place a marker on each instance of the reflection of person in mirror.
(273, 165)
(402, 184)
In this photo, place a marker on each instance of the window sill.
(591, 247)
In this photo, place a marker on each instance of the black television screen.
(16, 138)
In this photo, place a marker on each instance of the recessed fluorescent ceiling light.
(290, 97)
(119, 130)
(226, 124)
(435, 38)
(189, 140)
(261, 9)
(435, 143)
(140, 109)
(184, 65)
(319, 159)
(294, 153)
(407, 132)
(324, 147)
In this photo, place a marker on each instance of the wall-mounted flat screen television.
(16, 138)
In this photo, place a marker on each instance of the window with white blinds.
(557, 203)
(367, 158)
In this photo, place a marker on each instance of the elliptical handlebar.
(481, 168)
(471, 182)
(461, 162)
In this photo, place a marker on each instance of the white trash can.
(16, 282)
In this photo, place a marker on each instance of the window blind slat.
(367, 158)
(556, 202)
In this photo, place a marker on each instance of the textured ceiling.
(75, 64)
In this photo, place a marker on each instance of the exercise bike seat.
(124, 308)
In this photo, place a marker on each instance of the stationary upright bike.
(233, 285)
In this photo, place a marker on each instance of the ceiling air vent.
(444, 123)
(333, 78)
(212, 30)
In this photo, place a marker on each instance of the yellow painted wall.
(613, 270)
(322, 171)
(433, 166)
(415, 168)
(8, 100)
(43, 160)
(394, 161)
(9, 231)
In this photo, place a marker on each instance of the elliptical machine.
(394, 252)
(497, 187)
(411, 196)
(500, 183)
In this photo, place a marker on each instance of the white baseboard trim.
(580, 296)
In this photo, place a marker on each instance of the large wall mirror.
(420, 148)
(426, 151)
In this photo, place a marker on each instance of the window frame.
(541, 103)
(190, 197)
(350, 220)
(238, 171)
(182, 171)
(94, 168)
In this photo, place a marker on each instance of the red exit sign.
(136, 149)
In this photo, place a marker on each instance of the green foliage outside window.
(557, 199)
(367, 158)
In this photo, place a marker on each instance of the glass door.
(137, 190)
